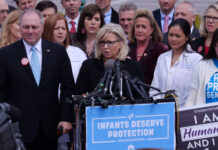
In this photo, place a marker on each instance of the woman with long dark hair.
(90, 21)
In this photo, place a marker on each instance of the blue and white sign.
(212, 89)
(130, 127)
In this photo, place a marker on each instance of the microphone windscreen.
(12, 111)
(15, 113)
(109, 64)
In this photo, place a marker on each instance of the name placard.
(198, 128)
(130, 127)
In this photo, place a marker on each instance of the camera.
(10, 137)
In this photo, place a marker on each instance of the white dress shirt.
(76, 20)
(38, 47)
(162, 15)
(167, 77)
(107, 16)
(77, 56)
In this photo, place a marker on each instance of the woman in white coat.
(174, 68)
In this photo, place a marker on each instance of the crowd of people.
(47, 56)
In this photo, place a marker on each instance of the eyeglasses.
(108, 43)
(207, 18)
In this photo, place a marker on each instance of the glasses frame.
(214, 19)
(108, 43)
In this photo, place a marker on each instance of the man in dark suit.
(110, 15)
(164, 15)
(72, 13)
(186, 11)
(31, 71)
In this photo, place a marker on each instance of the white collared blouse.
(167, 77)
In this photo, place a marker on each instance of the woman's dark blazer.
(93, 69)
(199, 45)
(149, 59)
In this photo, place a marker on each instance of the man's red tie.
(73, 28)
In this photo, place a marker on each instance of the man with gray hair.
(126, 15)
(3, 12)
(186, 10)
(31, 71)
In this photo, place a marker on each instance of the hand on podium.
(66, 126)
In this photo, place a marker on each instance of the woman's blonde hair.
(119, 33)
(156, 34)
(202, 28)
(5, 35)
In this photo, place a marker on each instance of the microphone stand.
(128, 88)
(139, 82)
(143, 95)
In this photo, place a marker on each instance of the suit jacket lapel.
(21, 56)
(195, 34)
(46, 60)
(159, 20)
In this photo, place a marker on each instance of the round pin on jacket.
(24, 61)
(200, 49)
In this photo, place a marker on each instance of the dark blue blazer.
(157, 17)
(39, 105)
(114, 17)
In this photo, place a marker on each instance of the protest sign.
(198, 128)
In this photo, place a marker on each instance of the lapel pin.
(48, 50)
(24, 61)
(200, 49)
(145, 54)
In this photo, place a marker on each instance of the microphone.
(111, 85)
(12, 111)
(109, 65)
(139, 82)
(126, 77)
(119, 77)
(133, 84)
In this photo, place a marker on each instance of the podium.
(143, 124)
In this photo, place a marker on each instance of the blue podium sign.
(131, 127)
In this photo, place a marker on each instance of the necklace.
(140, 52)
(89, 47)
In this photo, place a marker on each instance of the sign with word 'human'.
(131, 127)
(198, 128)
